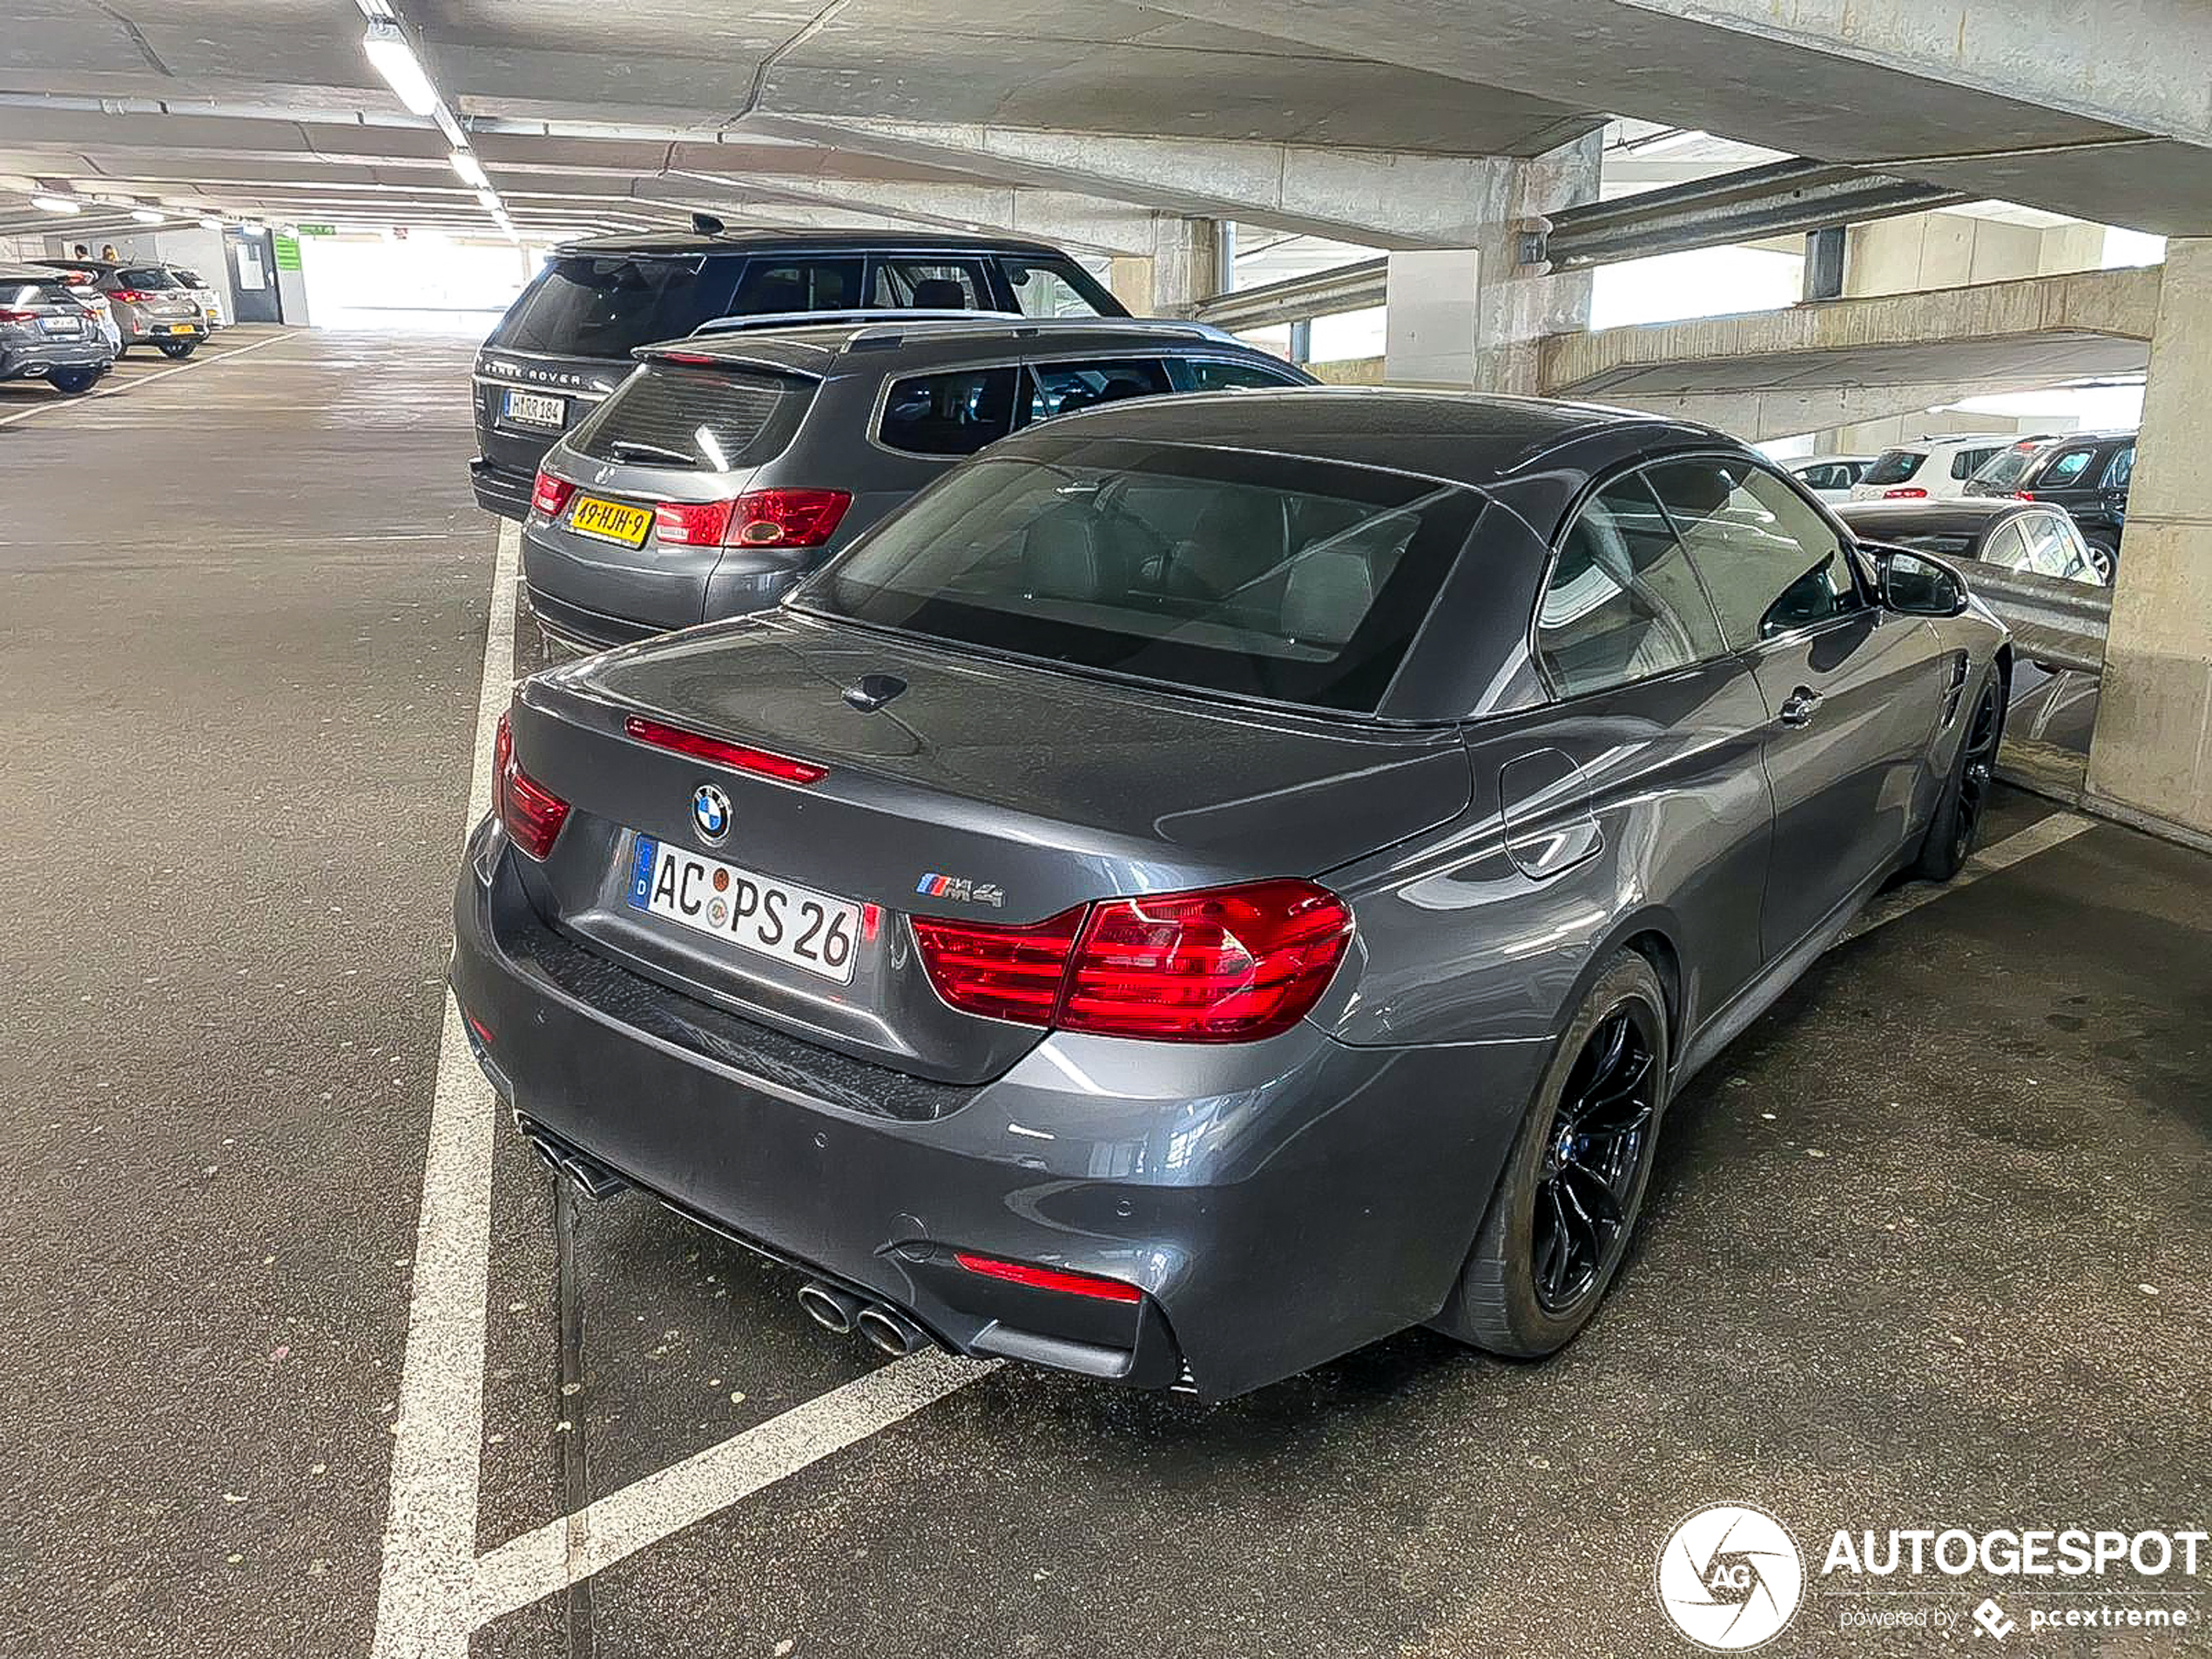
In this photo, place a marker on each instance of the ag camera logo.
(1730, 1577)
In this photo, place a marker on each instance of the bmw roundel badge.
(710, 813)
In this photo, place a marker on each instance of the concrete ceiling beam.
(1377, 197)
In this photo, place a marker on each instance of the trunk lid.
(1036, 788)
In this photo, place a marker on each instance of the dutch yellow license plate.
(182, 328)
(610, 521)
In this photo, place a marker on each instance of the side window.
(1046, 291)
(2055, 549)
(930, 285)
(1208, 374)
(1061, 389)
(2121, 468)
(949, 415)
(1622, 603)
(771, 287)
(2066, 470)
(1967, 462)
(2005, 547)
(1770, 562)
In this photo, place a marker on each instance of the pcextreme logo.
(1730, 1577)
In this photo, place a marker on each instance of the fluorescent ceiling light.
(394, 60)
(447, 125)
(55, 205)
(211, 221)
(148, 215)
(489, 200)
(471, 168)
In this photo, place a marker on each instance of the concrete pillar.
(2150, 761)
(1185, 267)
(1473, 318)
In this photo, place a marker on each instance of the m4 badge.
(961, 890)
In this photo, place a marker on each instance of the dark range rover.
(565, 342)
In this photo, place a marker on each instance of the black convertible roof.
(675, 244)
(1469, 438)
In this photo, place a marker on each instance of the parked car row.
(1212, 870)
(67, 320)
(150, 304)
(2085, 473)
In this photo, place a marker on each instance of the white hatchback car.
(1932, 469)
(210, 306)
(1830, 477)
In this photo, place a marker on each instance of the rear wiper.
(630, 450)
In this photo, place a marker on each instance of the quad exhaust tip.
(889, 1331)
(833, 1310)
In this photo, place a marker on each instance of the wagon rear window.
(711, 419)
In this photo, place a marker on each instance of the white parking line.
(646, 1511)
(136, 381)
(434, 1591)
(430, 1528)
(2038, 836)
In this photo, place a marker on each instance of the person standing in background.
(107, 251)
(82, 251)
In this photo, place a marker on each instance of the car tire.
(72, 382)
(179, 348)
(1549, 1247)
(1950, 839)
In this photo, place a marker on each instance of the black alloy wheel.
(1559, 1222)
(1978, 774)
(1593, 1155)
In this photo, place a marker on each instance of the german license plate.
(536, 409)
(610, 521)
(792, 924)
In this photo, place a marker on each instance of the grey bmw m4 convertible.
(1215, 882)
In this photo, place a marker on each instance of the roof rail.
(806, 319)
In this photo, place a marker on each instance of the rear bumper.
(151, 331)
(1283, 1202)
(38, 359)
(502, 489)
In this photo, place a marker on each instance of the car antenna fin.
(707, 224)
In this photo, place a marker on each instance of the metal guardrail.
(2060, 625)
(1323, 293)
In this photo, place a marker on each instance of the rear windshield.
(582, 307)
(145, 276)
(1954, 543)
(1295, 580)
(36, 294)
(711, 419)
(1894, 466)
(2005, 470)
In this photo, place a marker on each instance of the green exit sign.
(316, 230)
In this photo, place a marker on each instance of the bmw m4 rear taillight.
(532, 813)
(1223, 965)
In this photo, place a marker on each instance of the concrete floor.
(1928, 1246)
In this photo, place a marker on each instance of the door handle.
(1799, 707)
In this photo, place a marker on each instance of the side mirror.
(1919, 586)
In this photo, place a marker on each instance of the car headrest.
(940, 293)
(1064, 556)
(1327, 597)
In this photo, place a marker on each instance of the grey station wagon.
(731, 464)
(565, 342)
(1216, 880)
